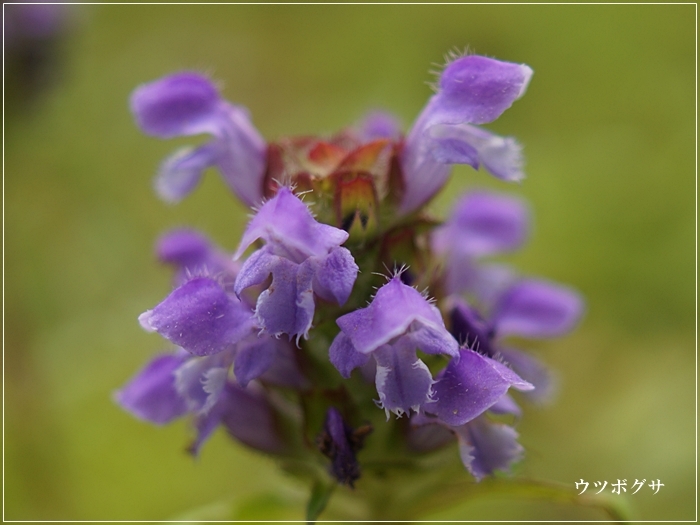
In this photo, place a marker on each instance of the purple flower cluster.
(259, 342)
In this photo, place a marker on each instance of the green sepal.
(448, 494)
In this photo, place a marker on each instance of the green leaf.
(320, 495)
(615, 508)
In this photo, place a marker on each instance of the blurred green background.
(608, 130)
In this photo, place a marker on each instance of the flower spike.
(431, 342)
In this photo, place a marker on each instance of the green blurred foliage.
(608, 129)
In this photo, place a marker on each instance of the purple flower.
(471, 90)
(536, 309)
(304, 258)
(486, 446)
(189, 104)
(200, 379)
(464, 392)
(200, 317)
(205, 318)
(219, 332)
(151, 394)
(397, 323)
(481, 224)
(247, 415)
(176, 385)
(528, 308)
(484, 224)
(471, 385)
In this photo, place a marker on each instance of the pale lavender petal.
(486, 446)
(344, 357)
(501, 156)
(213, 384)
(204, 425)
(200, 317)
(486, 282)
(150, 395)
(403, 381)
(392, 311)
(470, 386)
(287, 306)
(290, 230)
(200, 380)
(481, 224)
(180, 104)
(477, 90)
(253, 357)
(242, 154)
(181, 172)
(465, 144)
(255, 270)
(305, 303)
(533, 371)
(537, 309)
(507, 405)
(423, 175)
(454, 150)
(335, 276)
(430, 340)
